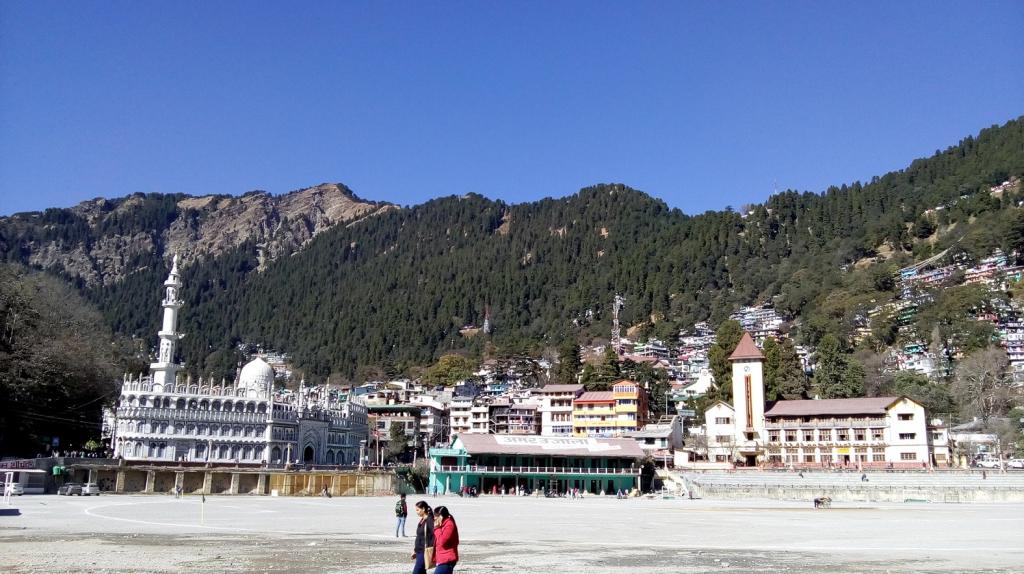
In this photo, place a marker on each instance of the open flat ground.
(594, 535)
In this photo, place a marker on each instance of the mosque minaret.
(165, 370)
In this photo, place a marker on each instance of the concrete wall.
(867, 493)
(163, 480)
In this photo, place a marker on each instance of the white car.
(987, 463)
(1015, 463)
(90, 489)
(17, 490)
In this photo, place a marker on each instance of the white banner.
(555, 443)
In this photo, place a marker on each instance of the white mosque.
(164, 417)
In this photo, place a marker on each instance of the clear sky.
(703, 104)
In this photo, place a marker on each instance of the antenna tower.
(616, 334)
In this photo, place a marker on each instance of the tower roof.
(746, 349)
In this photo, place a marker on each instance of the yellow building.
(610, 413)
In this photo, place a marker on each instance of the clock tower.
(748, 391)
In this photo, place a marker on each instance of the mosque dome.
(256, 376)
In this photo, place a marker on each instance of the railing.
(191, 415)
(537, 470)
(828, 423)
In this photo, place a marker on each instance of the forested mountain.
(391, 290)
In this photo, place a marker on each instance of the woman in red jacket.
(446, 541)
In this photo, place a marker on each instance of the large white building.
(556, 408)
(863, 432)
(167, 417)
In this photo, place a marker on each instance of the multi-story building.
(760, 321)
(864, 432)
(459, 414)
(382, 418)
(165, 416)
(523, 419)
(610, 413)
(556, 409)
(434, 421)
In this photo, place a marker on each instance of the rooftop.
(542, 445)
(858, 406)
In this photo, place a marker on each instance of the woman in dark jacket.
(446, 541)
(424, 536)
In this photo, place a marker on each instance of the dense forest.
(391, 292)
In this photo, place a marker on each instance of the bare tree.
(982, 386)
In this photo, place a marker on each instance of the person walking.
(446, 541)
(423, 549)
(401, 511)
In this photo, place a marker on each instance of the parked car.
(90, 488)
(17, 489)
(70, 488)
(987, 463)
(1015, 463)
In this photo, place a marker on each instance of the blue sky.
(703, 104)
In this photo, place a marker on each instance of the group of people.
(437, 537)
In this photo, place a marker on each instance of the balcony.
(828, 423)
(516, 470)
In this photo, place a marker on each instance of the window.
(808, 436)
(790, 436)
(808, 458)
(722, 420)
(936, 436)
(906, 416)
(773, 436)
(908, 456)
(877, 434)
(878, 457)
(844, 435)
(907, 435)
(825, 435)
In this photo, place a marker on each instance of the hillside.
(392, 291)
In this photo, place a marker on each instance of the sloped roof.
(746, 349)
(596, 396)
(560, 388)
(860, 406)
(476, 444)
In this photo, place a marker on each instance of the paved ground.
(595, 535)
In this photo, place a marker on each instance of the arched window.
(215, 405)
(179, 404)
(275, 455)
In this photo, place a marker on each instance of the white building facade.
(167, 417)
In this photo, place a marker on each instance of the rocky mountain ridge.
(115, 237)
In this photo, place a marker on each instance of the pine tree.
(836, 375)
(727, 337)
(568, 368)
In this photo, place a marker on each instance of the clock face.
(746, 369)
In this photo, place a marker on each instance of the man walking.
(401, 511)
